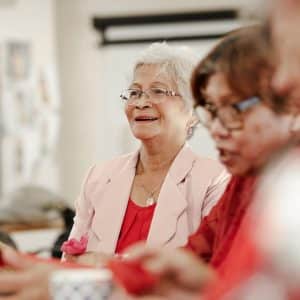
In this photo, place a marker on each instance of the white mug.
(80, 284)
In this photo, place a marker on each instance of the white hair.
(177, 62)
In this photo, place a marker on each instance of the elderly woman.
(160, 192)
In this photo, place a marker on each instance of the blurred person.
(268, 266)
(160, 192)
(273, 241)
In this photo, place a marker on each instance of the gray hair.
(176, 61)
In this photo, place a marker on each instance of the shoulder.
(208, 167)
(207, 174)
(211, 166)
(110, 167)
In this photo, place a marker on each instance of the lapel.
(111, 203)
(172, 199)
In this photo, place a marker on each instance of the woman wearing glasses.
(160, 192)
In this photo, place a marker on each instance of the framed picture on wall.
(18, 60)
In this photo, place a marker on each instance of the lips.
(226, 156)
(145, 118)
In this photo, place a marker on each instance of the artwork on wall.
(18, 60)
(30, 114)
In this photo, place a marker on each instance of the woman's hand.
(27, 281)
(89, 258)
(179, 269)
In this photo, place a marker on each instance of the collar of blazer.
(110, 201)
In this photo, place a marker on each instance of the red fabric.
(75, 247)
(136, 225)
(216, 233)
(132, 276)
(242, 261)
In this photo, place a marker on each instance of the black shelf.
(101, 24)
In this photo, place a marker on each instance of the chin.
(237, 170)
(143, 135)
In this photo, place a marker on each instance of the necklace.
(150, 200)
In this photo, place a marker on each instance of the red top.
(216, 233)
(242, 262)
(136, 225)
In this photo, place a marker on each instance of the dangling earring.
(191, 126)
(190, 132)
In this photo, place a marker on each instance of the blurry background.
(59, 90)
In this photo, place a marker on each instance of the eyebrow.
(158, 82)
(225, 98)
(136, 84)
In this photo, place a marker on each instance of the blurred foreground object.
(279, 232)
(79, 284)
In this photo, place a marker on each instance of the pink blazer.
(191, 188)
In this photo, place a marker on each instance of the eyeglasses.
(230, 115)
(155, 94)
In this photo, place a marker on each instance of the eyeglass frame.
(167, 92)
(239, 107)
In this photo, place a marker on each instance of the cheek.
(260, 142)
(176, 115)
(246, 145)
(128, 112)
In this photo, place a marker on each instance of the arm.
(214, 192)
(84, 214)
(27, 279)
(177, 271)
(201, 242)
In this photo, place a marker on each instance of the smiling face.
(166, 120)
(246, 150)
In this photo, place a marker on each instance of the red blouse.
(217, 231)
(136, 225)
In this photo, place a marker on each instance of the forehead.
(148, 74)
(217, 90)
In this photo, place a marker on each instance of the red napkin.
(133, 276)
(75, 247)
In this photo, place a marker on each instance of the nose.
(218, 130)
(142, 102)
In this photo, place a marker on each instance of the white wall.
(93, 126)
(32, 22)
